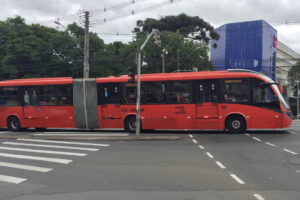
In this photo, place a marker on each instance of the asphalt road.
(199, 165)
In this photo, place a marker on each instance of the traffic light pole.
(138, 99)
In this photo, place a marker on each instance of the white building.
(286, 58)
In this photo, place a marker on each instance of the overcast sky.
(216, 12)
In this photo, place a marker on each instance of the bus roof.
(144, 77)
(187, 76)
(37, 81)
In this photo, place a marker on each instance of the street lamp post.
(139, 64)
(163, 56)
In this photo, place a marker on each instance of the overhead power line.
(118, 7)
(137, 11)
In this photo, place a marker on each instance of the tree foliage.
(28, 51)
(294, 73)
(190, 27)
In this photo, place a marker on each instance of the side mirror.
(280, 89)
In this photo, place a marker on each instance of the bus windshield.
(281, 98)
(276, 89)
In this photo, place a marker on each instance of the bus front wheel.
(13, 124)
(236, 124)
(130, 124)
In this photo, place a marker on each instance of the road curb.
(93, 138)
(111, 138)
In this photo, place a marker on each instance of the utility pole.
(86, 65)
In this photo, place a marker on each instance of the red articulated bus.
(233, 100)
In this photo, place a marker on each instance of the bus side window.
(47, 95)
(154, 92)
(235, 90)
(201, 90)
(30, 96)
(129, 94)
(110, 94)
(179, 91)
(9, 96)
(65, 95)
(213, 95)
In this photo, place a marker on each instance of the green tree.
(182, 54)
(294, 73)
(32, 51)
(190, 27)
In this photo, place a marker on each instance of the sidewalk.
(88, 137)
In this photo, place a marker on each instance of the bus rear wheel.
(13, 124)
(236, 124)
(130, 124)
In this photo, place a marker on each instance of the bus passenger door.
(30, 108)
(207, 113)
(110, 105)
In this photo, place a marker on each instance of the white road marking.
(209, 155)
(268, 143)
(257, 139)
(247, 134)
(257, 196)
(237, 179)
(195, 141)
(289, 151)
(43, 151)
(25, 167)
(50, 146)
(65, 142)
(201, 147)
(191, 136)
(46, 159)
(292, 132)
(82, 134)
(11, 179)
(220, 165)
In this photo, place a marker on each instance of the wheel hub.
(236, 124)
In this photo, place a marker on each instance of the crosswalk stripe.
(64, 142)
(11, 179)
(51, 146)
(43, 151)
(25, 167)
(46, 159)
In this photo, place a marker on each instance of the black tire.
(130, 124)
(13, 124)
(236, 124)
